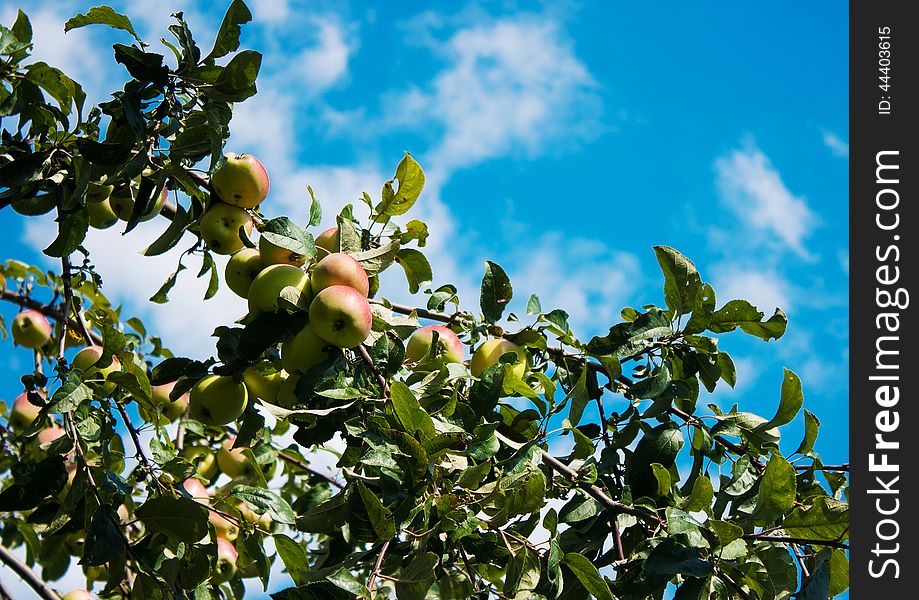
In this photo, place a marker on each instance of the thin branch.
(843, 468)
(45, 309)
(365, 356)
(139, 452)
(27, 575)
(372, 580)
(794, 540)
(421, 312)
(309, 469)
(740, 591)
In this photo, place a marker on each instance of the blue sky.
(561, 140)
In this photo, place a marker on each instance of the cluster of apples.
(106, 204)
(450, 350)
(240, 184)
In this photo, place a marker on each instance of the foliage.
(446, 485)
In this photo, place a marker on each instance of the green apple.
(242, 268)
(341, 316)
(449, 346)
(287, 394)
(226, 562)
(71, 473)
(196, 490)
(262, 386)
(101, 214)
(24, 412)
(273, 254)
(339, 269)
(172, 409)
(204, 459)
(267, 286)
(225, 528)
(31, 329)
(220, 227)
(74, 543)
(99, 573)
(233, 463)
(328, 240)
(491, 351)
(303, 351)
(84, 361)
(217, 400)
(97, 192)
(77, 595)
(241, 180)
(122, 203)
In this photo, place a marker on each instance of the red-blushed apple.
(226, 562)
(233, 463)
(287, 394)
(263, 386)
(31, 329)
(267, 286)
(23, 412)
(304, 350)
(85, 360)
(44, 438)
(220, 227)
(328, 240)
(196, 490)
(241, 180)
(273, 254)
(172, 409)
(77, 595)
(339, 269)
(217, 400)
(242, 268)
(101, 214)
(341, 316)
(204, 459)
(449, 346)
(491, 351)
(122, 203)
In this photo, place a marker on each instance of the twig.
(139, 452)
(733, 584)
(797, 550)
(372, 580)
(309, 469)
(844, 468)
(27, 575)
(366, 358)
(421, 312)
(794, 540)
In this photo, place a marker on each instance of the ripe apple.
(226, 562)
(233, 463)
(87, 357)
(220, 227)
(77, 595)
(204, 459)
(31, 329)
(450, 348)
(339, 269)
(122, 203)
(328, 240)
(262, 386)
(217, 400)
(196, 490)
(242, 268)
(24, 412)
(491, 351)
(241, 181)
(273, 254)
(304, 350)
(341, 316)
(225, 528)
(101, 214)
(172, 410)
(267, 286)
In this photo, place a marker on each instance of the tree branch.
(27, 575)
(372, 580)
(793, 540)
(365, 356)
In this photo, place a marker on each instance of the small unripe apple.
(220, 227)
(267, 286)
(225, 528)
(74, 543)
(304, 350)
(262, 386)
(24, 412)
(242, 268)
(275, 255)
(97, 192)
(341, 316)
(339, 269)
(172, 409)
(233, 463)
(77, 595)
(101, 214)
(122, 202)
(31, 329)
(99, 573)
(241, 181)
(84, 361)
(217, 400)
(204, 459)
(226, 562)
(491, 351)
(287, 394)
(328, 240)
(196, 490)
(450, 348)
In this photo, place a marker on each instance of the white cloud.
(754, 190)
(764, 288)
(326, 63)
(837, 146)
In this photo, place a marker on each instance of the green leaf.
(728, 370)
(72, 230)
(743, 478)
(411, 182)
(496, 292)
(416, 578)
(700, 499)
(653, 386)
(408, 411)
(777, 490)
(209, 266)
(380, 517)
(173, 234)
(580, 508)
(69, 396)
(791, 402)
(344, 579)
(660, 445)
(102, 15)
(236, 81)
(626, 339)
(328, 517)
(740, 313)
(180, 518)
(103, 540)
(682, 282)
(61, 87)
(377, 260)
(228, 35)
(704, 309)
(417, 268)
(817, 586)
(825, 519)
(315, 208)
(670, 558)
(293, 556)
(588, 575)
(32, 483)
(533, 306)
(264, 501)
(415, 230)
(662, 475)
(725, 531)
(284, 233)
(143, 66)
(161, 295)
(839, 572)
(811, 428)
